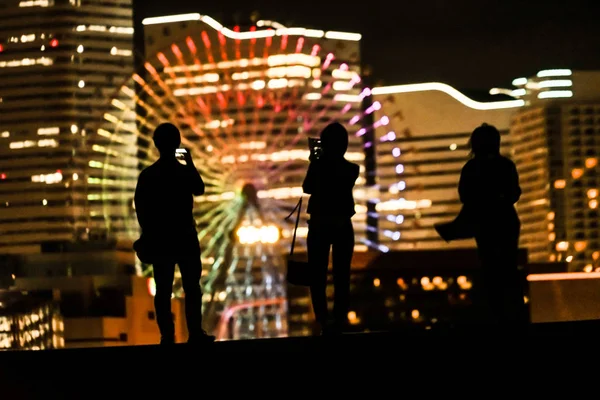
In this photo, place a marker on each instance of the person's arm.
(141, 200)
(513, 189)
(355, 173)
(196, 182)
(312, 178)
(465, 188)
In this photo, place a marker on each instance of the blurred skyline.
(434, 40)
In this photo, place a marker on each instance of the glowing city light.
(268, 234)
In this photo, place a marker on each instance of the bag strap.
(299, 207)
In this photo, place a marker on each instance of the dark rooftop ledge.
(77, 373)
(388, 340)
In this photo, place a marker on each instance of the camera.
(180, 153)
(314, 144)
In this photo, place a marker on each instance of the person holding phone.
(330, 181)
(164, 200)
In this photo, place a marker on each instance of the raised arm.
(312, 177)
(196, 182)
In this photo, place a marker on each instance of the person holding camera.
(330, 181)
(164, 200)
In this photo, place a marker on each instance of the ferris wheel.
(246, 109)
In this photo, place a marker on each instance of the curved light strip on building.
(442, 87)
(253, 34)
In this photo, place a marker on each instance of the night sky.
(466, 43)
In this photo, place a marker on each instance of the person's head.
(334, 140)
(166, 139)
(485, 141)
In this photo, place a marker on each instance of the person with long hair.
(489, 188)
(329, 181)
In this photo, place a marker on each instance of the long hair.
(485, 141)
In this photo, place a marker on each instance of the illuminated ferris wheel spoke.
(209, 172)
(229, 211)
(224, 147)
(211, 217)
(180, 107)
(164, 118)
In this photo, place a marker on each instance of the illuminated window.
(560, 184)
(376, 282)
(591, 162)
(580, 246)
(593, 204)
(352, 318)
(588, 268)
(592, 193)
(577, 173)
(551, 215)
(562, 246)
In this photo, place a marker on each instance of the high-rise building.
(29, 322)
(60, 62)
(556, 147)
(420, 154)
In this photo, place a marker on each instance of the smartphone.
(314, 144)
(180, 153)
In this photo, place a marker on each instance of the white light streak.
(442, 87)
(279, 30)
(555, 83)
(554, 72)
(554, 94)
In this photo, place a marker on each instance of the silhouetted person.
(489, 188)
(164, 199)
(330, 180)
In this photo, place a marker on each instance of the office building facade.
(420, 154)
(556, 148)
(60, 63)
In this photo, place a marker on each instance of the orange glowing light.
(577, 173)
(591, 162)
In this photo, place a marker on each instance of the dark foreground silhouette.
(163, 203)
(489, 188)
(330, 180)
